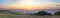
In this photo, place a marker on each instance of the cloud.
(27, 2)
(42, 4)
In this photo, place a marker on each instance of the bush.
(57, 13)
(48, 13)
(41, 13)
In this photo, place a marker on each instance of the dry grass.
(25, 16)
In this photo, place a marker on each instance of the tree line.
(41, 13)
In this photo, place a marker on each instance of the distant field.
(25, 16)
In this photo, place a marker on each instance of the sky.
(30, 4)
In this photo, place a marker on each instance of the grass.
(25, 16)
(9, 16)
(3, 15)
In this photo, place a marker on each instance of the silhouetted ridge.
(4, 11)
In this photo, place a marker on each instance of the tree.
(41, 13)
(48, 13)
(57, 13)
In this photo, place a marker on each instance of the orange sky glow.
(30, 5)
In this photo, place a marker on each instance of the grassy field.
(25, 16)
(8, 15)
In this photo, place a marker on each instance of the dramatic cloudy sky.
(30, 4)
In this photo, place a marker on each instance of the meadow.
(25, 16)
(11, 15)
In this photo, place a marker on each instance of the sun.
(28, 7)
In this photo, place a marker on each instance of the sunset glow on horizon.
(30, 4)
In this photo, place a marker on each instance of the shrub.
(48, 13)
(41, 13)
(57, 13)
